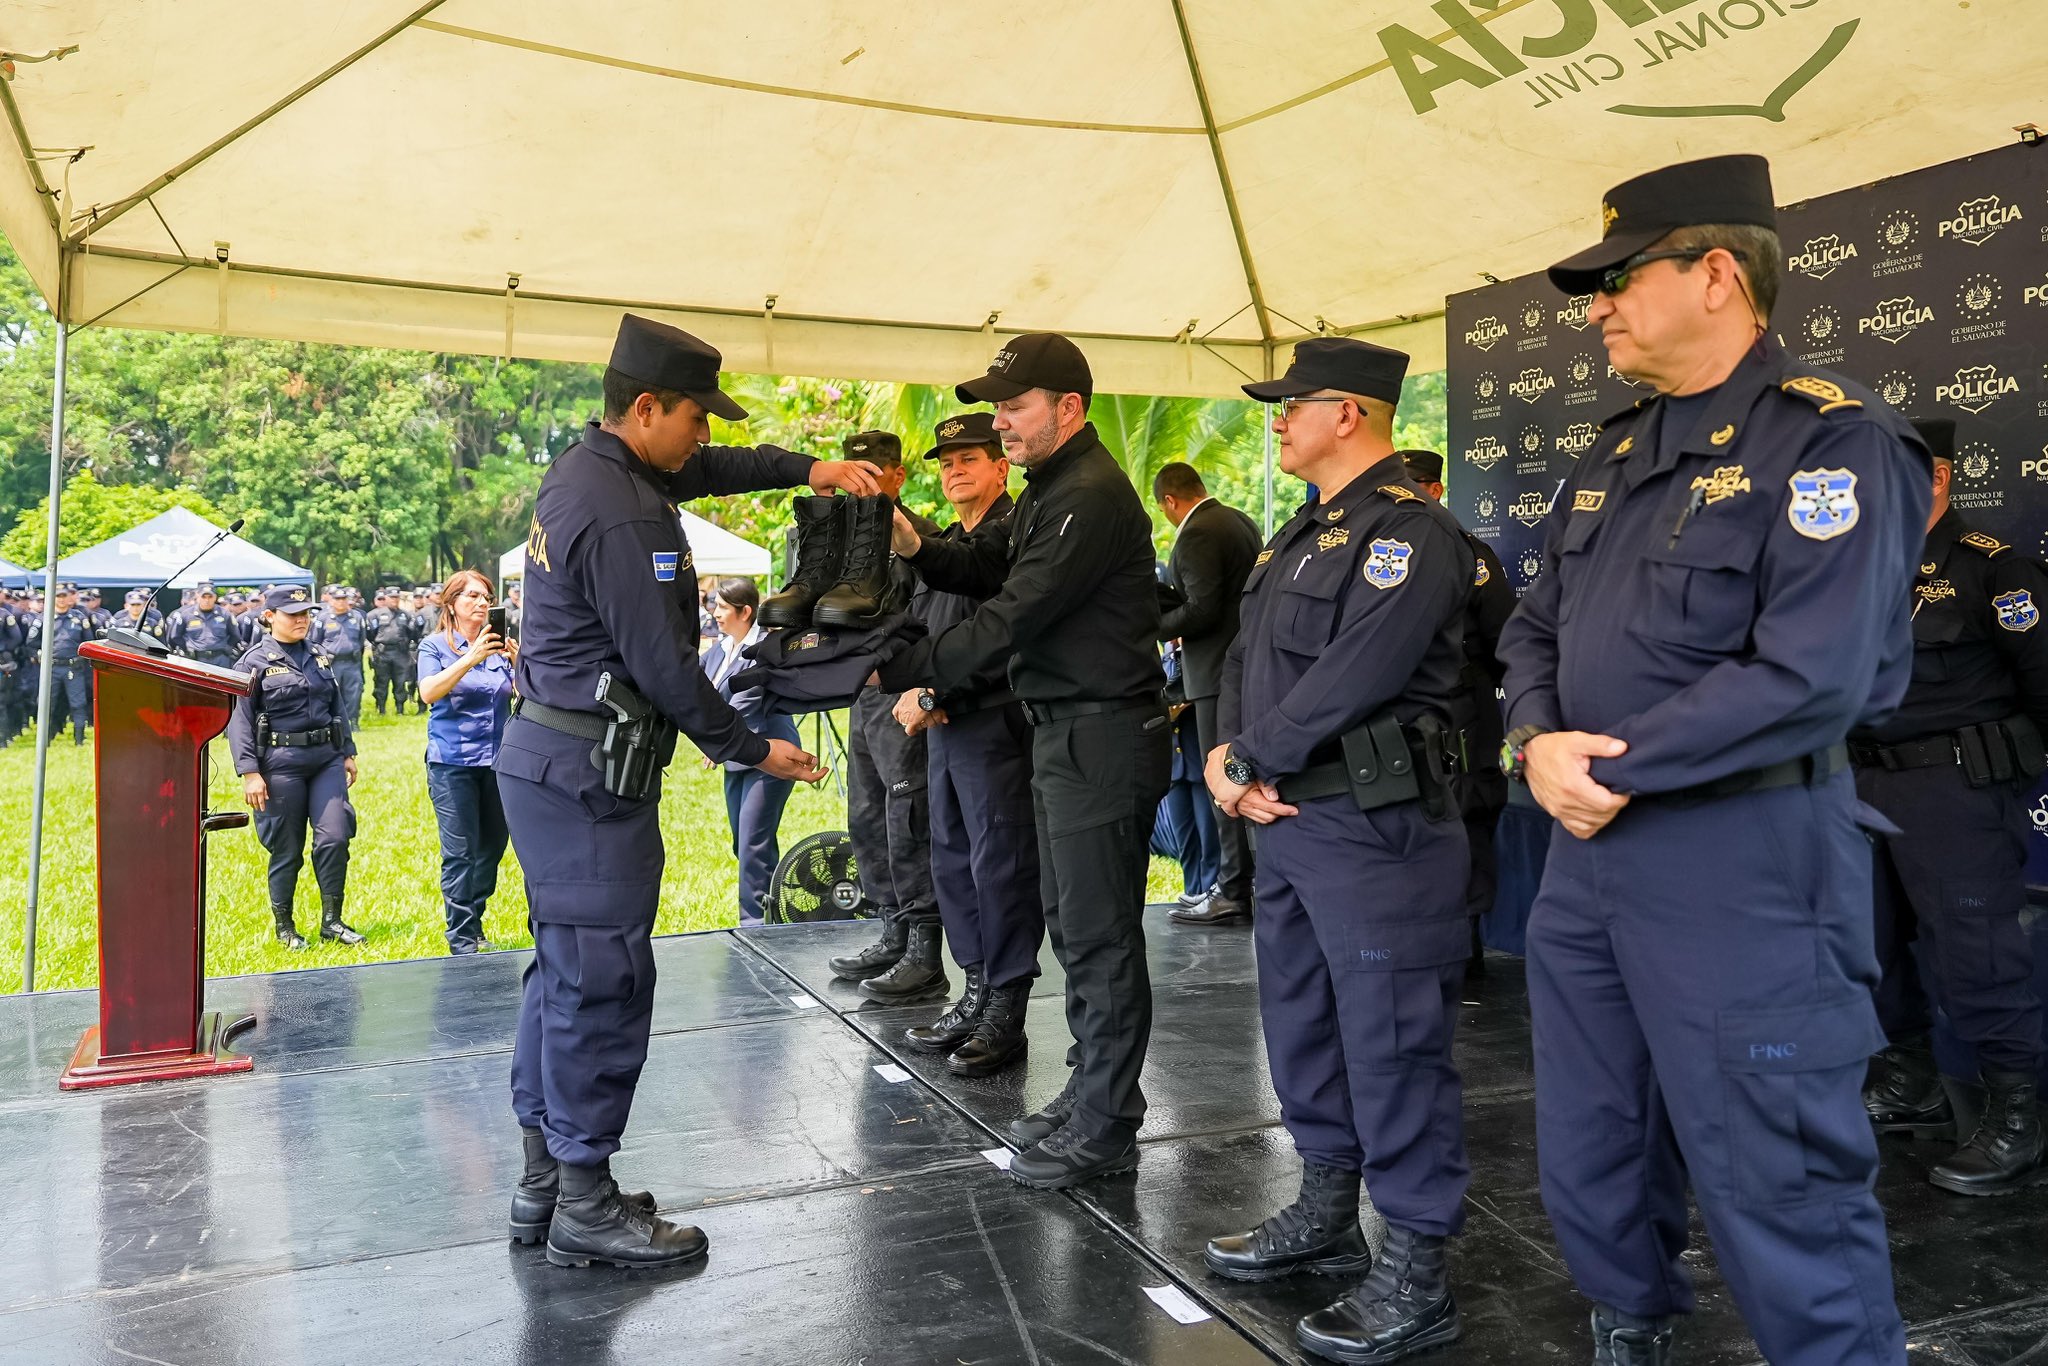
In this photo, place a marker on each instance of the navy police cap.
(964, 429)
(664, 357)
(1940, 435)
(1424, 467)
(1345, 364)
(881, 447)
(287, 597)
(1637, 213)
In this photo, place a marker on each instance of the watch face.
(1507, 757)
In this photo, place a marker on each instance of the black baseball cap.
(137, 595)
(1036, 360)
(203, 586)
(664, 357)
(1940, 435)
(1637, 213)
(1424, 467)
(1345, 364)
(337, 590)
(883, 448)
(287, 597)
(964, 429)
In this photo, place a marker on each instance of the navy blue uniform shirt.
(339, 635)
(203, 634)
(610, 585)
(294, 685)
(941, 611)
(1732, 596)
(1354, 605)
(70, 629)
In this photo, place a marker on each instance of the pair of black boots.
(331, 927)
(980, 1033)
(585, 1218)
(902, 967)
(2007, 1153)
(843, 564)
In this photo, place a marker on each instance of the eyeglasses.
(1288, 405)
(1615, 280)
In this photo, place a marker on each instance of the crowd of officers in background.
(374, 647)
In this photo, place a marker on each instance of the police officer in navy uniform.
(391, 649)
(296, 753)
(615, 594)
(984, 848)
(341, 633)
(1723, 599)
(204, 631)
(1951, 769)
(1349, 648)
(70, 626)
(137, 615)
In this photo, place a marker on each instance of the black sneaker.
(1066, 1158)
(1034, 1128)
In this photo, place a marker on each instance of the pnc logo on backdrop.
(1895, 319)
(1822, 256)
(1487, 333)
(1977, 221)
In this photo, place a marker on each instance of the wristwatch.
(1512, 759)
(927, 700)
(1238, 770)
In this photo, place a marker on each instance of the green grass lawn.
(394, 882)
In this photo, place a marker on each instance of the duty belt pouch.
(1377, 763)
(1976, 761)
(2029, 756)
(1438, 758)
(627, 757)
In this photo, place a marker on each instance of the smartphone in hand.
(496, 623)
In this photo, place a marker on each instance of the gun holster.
(637, 745)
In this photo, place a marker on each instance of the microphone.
(150, 645)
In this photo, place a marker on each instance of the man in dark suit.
(1214, 546)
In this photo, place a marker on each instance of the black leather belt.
(1317, 780)
(1038, 713)
(584, 725)
(300, 739)
(1939, 752)
(1804, 771)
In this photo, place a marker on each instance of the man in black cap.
(1072, 608)
(1951, 768)
(341, 633)
(1723, 597)
(1333, 736)
(137, 615)
(391, 641)
(984, 848)
(1483, 791)
(203, 631)
(615, 600)
(70, 626)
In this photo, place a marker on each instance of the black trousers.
(1235, 869)
(984, 850)
(1096, 784)
(392, 673)
(886, 810)
(308, 788)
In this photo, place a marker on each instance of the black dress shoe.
(1624, 1340)
(878, 957)
(1405, 1306)
(998, 1037)
(1217, 910)
(533, 1199)
(1065, 1158)
(945, 1034)
(1050, 1120)
(1904, 1094)
(594, 1224)
(2005, 1154)
(1319, 1232)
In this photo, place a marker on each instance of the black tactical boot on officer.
(1404, 1306)
(944, 1034)
(533, 1199)
(1067, 1157)
(2005, 1154)
(998, 1038)
(863, 594)
(1624, 1340)
(330, 923)
(1049, 1120)
(1904, 1094)
(287, 933)
(878, 957)
(917, 976)
(820, 559)
(1319, 1232)
(595, 1223)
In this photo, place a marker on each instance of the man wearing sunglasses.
(1723, 597)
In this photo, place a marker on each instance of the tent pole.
(43, 683)
(1268, 415)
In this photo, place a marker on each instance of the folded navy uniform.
(821, 668)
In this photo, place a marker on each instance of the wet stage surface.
(345, 1201)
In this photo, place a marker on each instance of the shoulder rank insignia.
(1334, 537)
(1482, 575)
(1386, 563)
(1823, 504)
(1588, 500)
(1724, 436)
(1264, 555)
(1826, 393)
(2016, 610)
(1991, 546)
(322, 660)
(1628, 443)
(1399, 494)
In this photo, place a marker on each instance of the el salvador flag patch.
(665, 565)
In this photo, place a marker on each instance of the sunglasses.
(1615, 279)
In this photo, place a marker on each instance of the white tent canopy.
(713, 550)
(145, 554)
(1188, 185)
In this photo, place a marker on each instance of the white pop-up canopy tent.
(145, 554)
(713, 550)
(883, 191)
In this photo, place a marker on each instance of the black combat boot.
(1904, 1094)
(533, 1199)
(998, 1038)
(1624, 1340)
(1404, 1306)
(878, 957)
(330, 923)
(287, 933)
(945, 1033)
(1319, 1232)
(918, 974)
(2004, 1155)
(820, 560)
(1042, 1123)
(864, 593)
(593, 1223)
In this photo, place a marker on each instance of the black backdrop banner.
(1931, 288)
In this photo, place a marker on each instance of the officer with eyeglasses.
(1724, 596)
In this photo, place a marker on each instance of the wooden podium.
(152, 716)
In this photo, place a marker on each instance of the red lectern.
(152, 717)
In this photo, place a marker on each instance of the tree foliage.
(92, 512)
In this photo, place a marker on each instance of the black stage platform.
(346, 1201)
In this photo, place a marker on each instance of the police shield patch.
(665, 565)
(1823, 503)
(1386, 563)
(2016, 610)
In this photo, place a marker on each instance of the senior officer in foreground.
(1952, 768)
(1723, 598)
(613, 601)
(1072, 606)
(1333, 738)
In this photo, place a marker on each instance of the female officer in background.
(297, 760)
(465, 674)
(753, 799)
